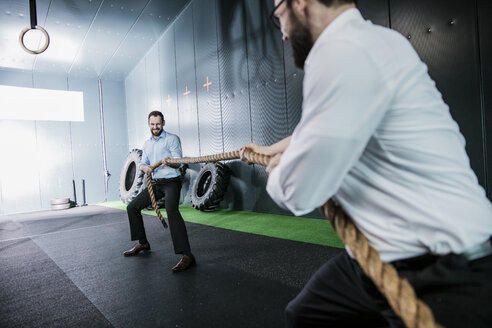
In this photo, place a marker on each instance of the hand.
(273, 163)
(252, 147)
(146, 169)
(165, 162)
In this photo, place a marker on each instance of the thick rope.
(154, 203)
(398, 291)
(251, 156)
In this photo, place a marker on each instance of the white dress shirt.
(376, 134)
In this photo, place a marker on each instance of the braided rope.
(154, 203)
(398, 291)
(251, 156)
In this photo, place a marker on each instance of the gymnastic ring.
(34, 52)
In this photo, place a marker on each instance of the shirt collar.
(337, 24)
(162, 136)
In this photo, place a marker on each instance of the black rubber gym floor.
(66, 269)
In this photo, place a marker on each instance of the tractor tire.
(210, 186)
(131, 178)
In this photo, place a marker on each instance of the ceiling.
(88, 38)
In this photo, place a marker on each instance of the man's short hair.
(155, 113)
(328, 3)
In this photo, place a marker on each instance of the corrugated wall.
(233, 81)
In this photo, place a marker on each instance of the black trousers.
(459, 293)
(170, 189)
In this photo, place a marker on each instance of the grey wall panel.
(444, 34)
(207, 73)
(186, 82)
(233, 69)
(86, 143)
(245, 46)
(132, 106)
(293, 89)
(234, 79)
(141, 104)
(167, 74)
(53, 148)
(377, 11)
(115, 132)
(151, 23)
(152, 75)
(68, 24)
(266, 75)
(485, 33)
(267, 90)
(16, 78)
(120, 15)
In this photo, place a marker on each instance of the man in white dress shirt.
(376, 135)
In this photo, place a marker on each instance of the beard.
(300, 40)
(156, 132)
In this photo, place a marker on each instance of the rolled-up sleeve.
(175, 148)
(345, 98)
(145, 157)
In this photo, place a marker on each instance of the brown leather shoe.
(185, 262)
(137, 249)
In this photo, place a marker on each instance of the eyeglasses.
(275, 20)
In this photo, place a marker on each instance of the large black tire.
(131, 178)
(210, 186)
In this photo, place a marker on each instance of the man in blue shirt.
(166, 183)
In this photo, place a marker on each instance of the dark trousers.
(459, 293)
(170, 189)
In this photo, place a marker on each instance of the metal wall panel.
(152, 75)
(167, 78)
(115, 132)
(444, 33)
(86, 143)
(244, 103)
(293, 89)
(267, 90)
(233, 70)
(485, 33)
(186, 82)
(145, 31)
(141, 105)
(377, 11)
(53, 148)
(132, 104)
(118, 15)
(234, 80)
(207, 72)
(67, 25)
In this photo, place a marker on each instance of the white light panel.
(18, 103)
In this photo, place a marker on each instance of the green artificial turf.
(314, 231)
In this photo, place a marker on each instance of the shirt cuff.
(275, 190)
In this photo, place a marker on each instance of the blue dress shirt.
(155, 150)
